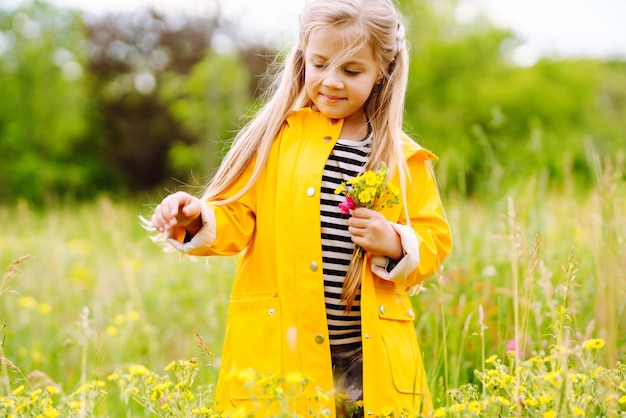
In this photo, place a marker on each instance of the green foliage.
(44, 144)
(128, 102)
(206, 102)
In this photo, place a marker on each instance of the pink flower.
(347, 205)
(511, 345)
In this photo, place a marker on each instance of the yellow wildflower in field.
(387, 411)
(440, 412)
(50, 412)
(594, 344)
(550, 414)
(138, 370)
(18, 390)
(544, 399)
(622, 400)
(579, 412)
(531, 402)
(52, 390)
(245, 375)
(475, 407)
(111, 331)
(44, 308)
(294, 378)
(74, 404)
(28, 302)
(491, 358)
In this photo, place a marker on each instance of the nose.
(332, 79)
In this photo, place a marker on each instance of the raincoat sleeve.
(226, 229)
(426, 239)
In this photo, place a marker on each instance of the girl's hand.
(178, 210)
(370, 230)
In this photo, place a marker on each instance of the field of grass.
(93, 318)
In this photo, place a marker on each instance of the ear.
(380, 77)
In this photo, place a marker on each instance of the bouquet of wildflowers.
(373, 191)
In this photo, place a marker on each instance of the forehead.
(339, 44)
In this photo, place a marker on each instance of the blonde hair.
(378, 25)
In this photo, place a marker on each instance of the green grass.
(97, 296)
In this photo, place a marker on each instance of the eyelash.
(348, 72)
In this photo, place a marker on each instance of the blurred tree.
(44, 146)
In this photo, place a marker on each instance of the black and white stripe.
(345, 162)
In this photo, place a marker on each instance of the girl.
(335, 111)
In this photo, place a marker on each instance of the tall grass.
(532, 270)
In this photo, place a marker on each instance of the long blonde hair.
(378, 24)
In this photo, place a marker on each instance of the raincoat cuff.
(203, 238)
(409, 261)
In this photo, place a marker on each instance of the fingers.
(175, 209)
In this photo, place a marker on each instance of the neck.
(355, 128)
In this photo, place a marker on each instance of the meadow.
(526, 317)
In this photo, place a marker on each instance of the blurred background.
(128, 97)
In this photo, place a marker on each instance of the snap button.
(319, 338)
(310, 192)
(271, 311)
(367, 336)
(411, 313)
(327, 139)
(326, 412)
(382, 309)
(313, 266)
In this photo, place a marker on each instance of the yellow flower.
(371, 178)
(550, 414)
(339, 189)
(491, 359)
(531, 402)
(245, 375)
(594, 344)
(133, 316)
(18, 390)
(74, 404)
(440, 412)
(294, 378)
(475, 407)
(138, 370)
(622, 400)
(387, 411)
(50, 412)
(44, 308)
(112, 331)
(52, 390)
(544, 399)
(579, 412)
(364, 197)
(27, 302)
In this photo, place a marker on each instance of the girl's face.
(339, 89)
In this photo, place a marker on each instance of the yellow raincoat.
(276, 324)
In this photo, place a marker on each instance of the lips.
(331, 99)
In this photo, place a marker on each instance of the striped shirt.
(345, 162)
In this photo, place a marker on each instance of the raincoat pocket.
(253, 338)
(398, 335)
